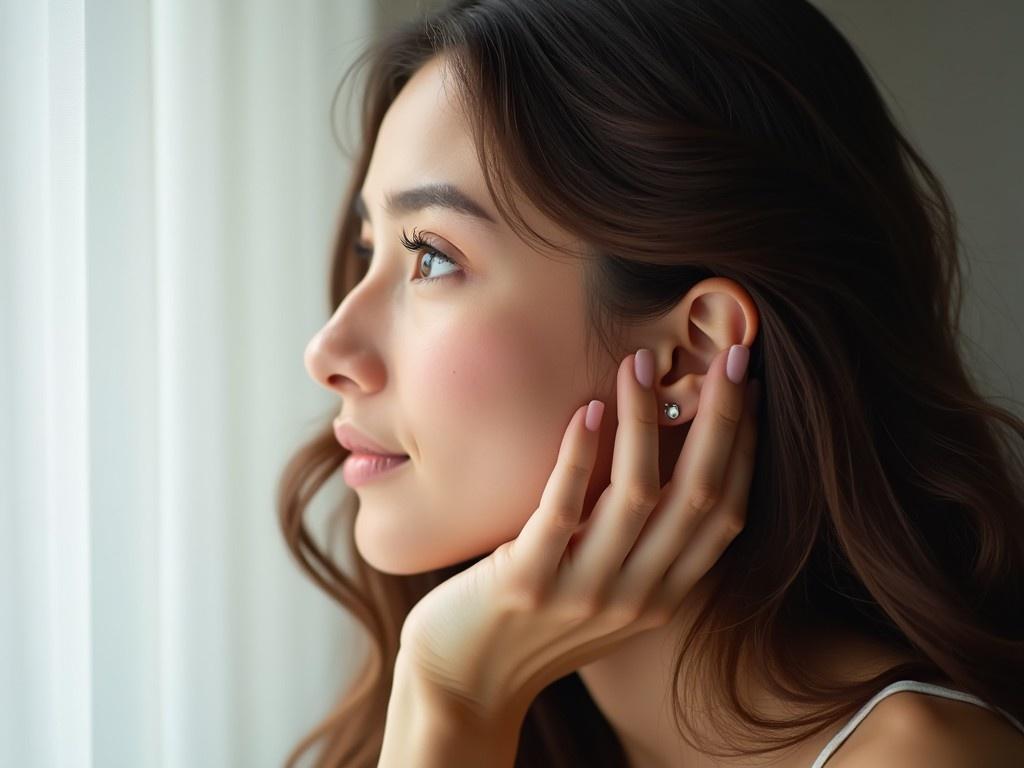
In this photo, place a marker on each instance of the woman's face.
(475, 375)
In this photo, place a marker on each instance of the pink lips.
(369, 458)
(360, 468)
(358, 442)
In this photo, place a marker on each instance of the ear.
(713, 315)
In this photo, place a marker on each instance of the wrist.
(428, 727)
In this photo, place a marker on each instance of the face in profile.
(474, 374)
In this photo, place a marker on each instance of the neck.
(632, 686)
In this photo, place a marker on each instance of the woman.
(716, 193)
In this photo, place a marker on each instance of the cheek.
(479, 374)
(488, 425)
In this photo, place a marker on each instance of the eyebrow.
(435, 195)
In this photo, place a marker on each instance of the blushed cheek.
(488, 428)
(477, 375)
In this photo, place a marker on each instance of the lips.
(359, 442)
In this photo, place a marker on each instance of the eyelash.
(415, 244)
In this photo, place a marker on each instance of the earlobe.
(684, 393)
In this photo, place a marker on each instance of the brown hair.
(688, 139)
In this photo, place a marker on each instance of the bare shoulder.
(918, 730)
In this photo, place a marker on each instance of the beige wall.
(950, 71)
(390, 10)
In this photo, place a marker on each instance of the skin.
(476, 375)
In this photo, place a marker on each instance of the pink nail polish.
(595, 411)
(736, 363)
(643, 367)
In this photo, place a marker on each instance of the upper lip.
(359, 442)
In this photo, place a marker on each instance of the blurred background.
(169, 188)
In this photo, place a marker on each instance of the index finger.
(543, 539)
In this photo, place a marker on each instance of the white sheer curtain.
(168, 192)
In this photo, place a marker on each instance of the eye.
(429, 254)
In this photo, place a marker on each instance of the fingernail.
(595, 410)
(643, 367)
(736, 364)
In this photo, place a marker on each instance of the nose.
(321, 364)
(358, 371)
(344, 355)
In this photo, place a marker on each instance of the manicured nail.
(595, 410)
(736, 363)
(643, 367)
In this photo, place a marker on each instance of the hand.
(489, 639)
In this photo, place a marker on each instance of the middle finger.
(622, 510)
(698, 478)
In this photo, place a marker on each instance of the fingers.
(626, 545)
(543, 539)
(698, 480)
(702, 462)
(717, 531)
(623, 509)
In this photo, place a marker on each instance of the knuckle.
(586, 606)
(640, 500)
(734, 525)
(703, 496)
(565, 518)
(649, 417)
(522, 600)
(503, 556)
(659, 615)
(577, 472)
(726, 420)
(624, 613)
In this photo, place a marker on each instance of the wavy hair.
(683, 139)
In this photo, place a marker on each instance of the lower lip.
(360, 468)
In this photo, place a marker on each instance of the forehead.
(424, 138)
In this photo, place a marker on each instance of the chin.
(394, 562)
(397, 551)
(401, 552)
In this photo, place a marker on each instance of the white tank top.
(903, 685)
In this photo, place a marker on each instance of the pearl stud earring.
(672, 410)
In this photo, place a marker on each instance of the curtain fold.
(169, 193)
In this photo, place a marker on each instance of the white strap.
(903, 685)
